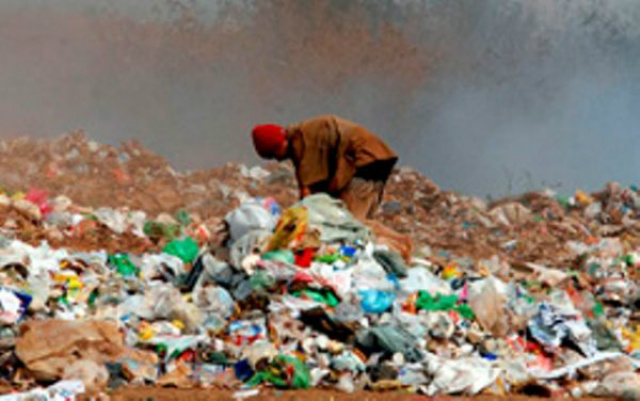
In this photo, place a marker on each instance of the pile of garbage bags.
(305, 296)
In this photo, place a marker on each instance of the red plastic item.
(304, 258)
(39, 198)
(187, 356)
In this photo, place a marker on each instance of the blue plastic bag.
(376, 301)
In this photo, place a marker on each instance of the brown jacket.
(327, 150)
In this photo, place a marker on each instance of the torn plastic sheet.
(392, 339)
(333, 220)
(66, 390)
(175, 345)
(420, 278)
(465, 375)
(571, 368)
(550, 328)
(13, 305)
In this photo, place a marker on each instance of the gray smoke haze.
(485, 97)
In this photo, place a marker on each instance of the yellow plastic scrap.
(74, 288)
(292, 225)
(633, 338)
(74, 283)
(583, 198)
(146, 331)
(178, 324)
(64, 277)
(450, 272)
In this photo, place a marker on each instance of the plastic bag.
(487, 299)
(420, 278)
(163, 301)
(339, 280)
(443, 303)
(348, 361)
(123, 264)
(438, 303)
(291, 226)
(368, 274)
(550, 328)
(374, 301)
(465, 375)
(172, 347)
(185, 249)
(13, 306)
(250, 244)
(114, 219)
(571, 368)
(65, 390)
(247, 217)
(323, 296)
(216, 299)
(335, 223)
(280, 255)
(161, 265)
(244, 332)
(284, 372)
(392, 262)
(392, 339)
(40, 198)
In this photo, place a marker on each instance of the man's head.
(270, 141)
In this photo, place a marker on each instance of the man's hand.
(304, 192)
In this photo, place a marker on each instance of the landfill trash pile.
(535, 227)
(231, 288)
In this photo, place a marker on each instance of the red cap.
(267, 139)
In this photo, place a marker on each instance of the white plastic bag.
(249, 216)
(465, 375)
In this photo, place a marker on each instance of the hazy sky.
(485, 97)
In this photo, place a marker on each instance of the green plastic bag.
(438, 303)
(284, 372)
(465, 311)
(123, 264)
(443, 303)
(328, 259)
(186, 249)
(323, 296)
(262, 280)
(279, 255)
